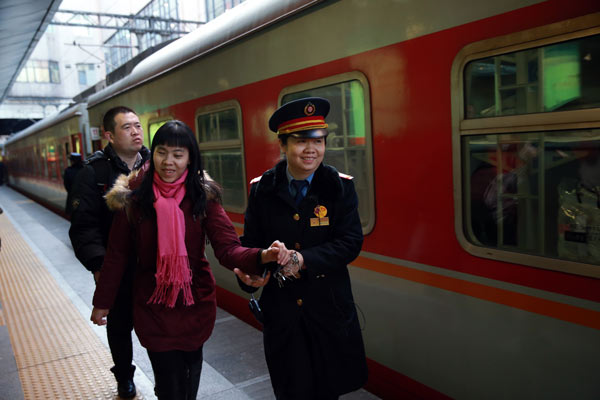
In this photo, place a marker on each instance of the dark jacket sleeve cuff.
(95, 264)
(246, 288)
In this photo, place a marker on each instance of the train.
(472, 131)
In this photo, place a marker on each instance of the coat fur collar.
(119, 196)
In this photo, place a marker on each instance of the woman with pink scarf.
(165, 217)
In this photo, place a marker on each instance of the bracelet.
(294, 258)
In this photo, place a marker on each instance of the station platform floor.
(50, 350)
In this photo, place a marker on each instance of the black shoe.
(126, 389)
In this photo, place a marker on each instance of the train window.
(52, 165)
(62, 158)
(557, 77)
(220, 139)
(529, 178)
(153, 127)
(349, 140)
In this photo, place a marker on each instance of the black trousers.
(176, 373)
(296, 378)
(119, 325)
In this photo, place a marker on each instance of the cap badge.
(309, 109)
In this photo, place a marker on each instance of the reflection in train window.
(219, 137)
(536, 193)
(348, 144)
(527, 146)
(557, 77)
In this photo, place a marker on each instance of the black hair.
(108, 122)
(177, 134)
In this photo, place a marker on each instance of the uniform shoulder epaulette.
(253, 181)
(345, 176)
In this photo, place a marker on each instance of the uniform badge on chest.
(322, 219)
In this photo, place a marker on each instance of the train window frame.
(369, 223)
(216, 145)
(514, 125)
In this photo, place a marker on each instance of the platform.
(50, 350)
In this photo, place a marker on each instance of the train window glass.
(225, 166)
(527, 147)
(217, 126)
(535, 193)
(348, 144)
(555, 77)
(220, 140)
(62, 158)
(52, 162)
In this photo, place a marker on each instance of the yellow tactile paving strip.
(57, 353)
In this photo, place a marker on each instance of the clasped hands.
(290, 261)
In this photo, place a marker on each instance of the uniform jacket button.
(296, 217)
(297, 246)
(299, 302)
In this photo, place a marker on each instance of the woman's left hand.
(99, 316)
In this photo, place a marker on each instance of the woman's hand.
(277, 252)
(252, 280)
(99, 316)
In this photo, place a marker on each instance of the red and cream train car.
(473, 132)
(38, 155)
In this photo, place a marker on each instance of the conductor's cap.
(302, 118)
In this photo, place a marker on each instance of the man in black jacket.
(69, 175)
(90, 226)
(312, 338)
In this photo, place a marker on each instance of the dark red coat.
(158, 327)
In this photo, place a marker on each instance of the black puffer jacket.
(91, 219)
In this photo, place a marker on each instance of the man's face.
(303, 155)
(127, 138)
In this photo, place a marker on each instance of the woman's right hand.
(99, 316)
(252, 280)
(277, 252)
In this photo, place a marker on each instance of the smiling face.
(303, 155)
(170, 162)
(127, 136)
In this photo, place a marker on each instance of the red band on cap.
(302, 124)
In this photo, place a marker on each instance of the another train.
(472, 130)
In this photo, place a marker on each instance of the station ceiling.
(22, 24)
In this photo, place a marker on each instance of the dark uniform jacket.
(91, 218)
(319, 304)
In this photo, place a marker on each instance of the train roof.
(76, 110)
(240, 21)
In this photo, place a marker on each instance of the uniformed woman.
(312, 338)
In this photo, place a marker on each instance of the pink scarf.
(173, 273)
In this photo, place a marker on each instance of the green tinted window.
(153, 127)
(558, 77)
